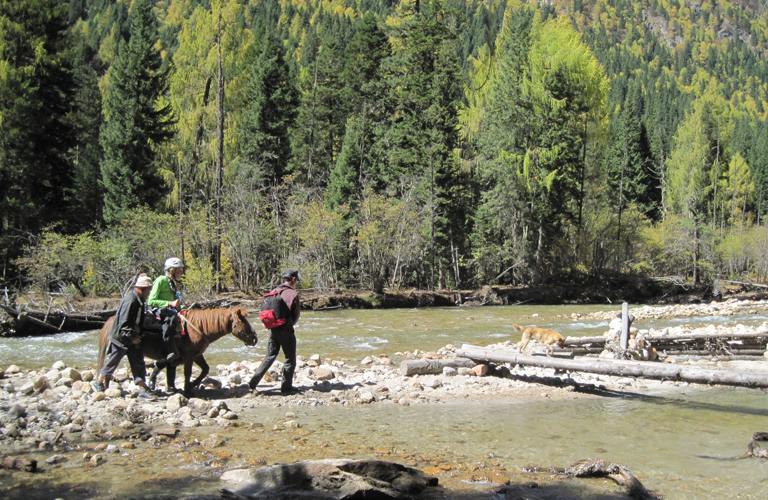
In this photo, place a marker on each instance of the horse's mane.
(210, 321)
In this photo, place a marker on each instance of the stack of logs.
(691, 344)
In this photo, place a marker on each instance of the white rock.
(234, 380)
(113, 393)
(58, 365)
(53, 376)
(449, 371)
(71, 373)
(175, 402)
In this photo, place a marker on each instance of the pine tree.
(319, 129)
(86, 201)
(423, 74)
(135, 121)
(36, 93)
(272, 104)
(364, 93)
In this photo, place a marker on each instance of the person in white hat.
(125, 338)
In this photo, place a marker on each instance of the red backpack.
(274, 311)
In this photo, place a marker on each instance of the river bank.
(51, 414)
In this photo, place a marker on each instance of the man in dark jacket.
(124, 338)
(283, 336)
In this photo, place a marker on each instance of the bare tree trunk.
(717, 176)
(312, 125)
(219, 160)
(695, 249)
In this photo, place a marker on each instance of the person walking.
(165, 296)
(125, 338)
(283, 336)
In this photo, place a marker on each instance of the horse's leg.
(187, 376)
(152, 383)
(205, 369)
(170, 375)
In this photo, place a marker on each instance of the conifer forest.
(430, 144)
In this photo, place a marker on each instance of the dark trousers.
(135, 360)
(279, 337)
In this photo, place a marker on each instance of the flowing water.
(680, 443)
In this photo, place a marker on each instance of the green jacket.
(163, 291)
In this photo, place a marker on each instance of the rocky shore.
(54, 414)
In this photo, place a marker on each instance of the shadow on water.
(645, 398)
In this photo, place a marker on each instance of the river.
(680, 443)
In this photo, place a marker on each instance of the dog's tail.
(518, 327)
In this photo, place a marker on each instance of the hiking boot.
(97, 386)
(145, 394)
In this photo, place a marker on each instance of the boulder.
(331, 479)
(234, 380)
(113, 393)
(27, 388)
(71, 373)
(12, 370)
(175, 403)
(17, 411)
(58, 365)
(323, 372)
(53, 376)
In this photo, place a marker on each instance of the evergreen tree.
(272, 104)
(135, 120)
(86, 201)
(36, 90)
(364, 93)
(319, 130)
(423, 74)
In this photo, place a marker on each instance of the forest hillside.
(382, 143)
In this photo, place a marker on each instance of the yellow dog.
(547, 337)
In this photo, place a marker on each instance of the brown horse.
(204, 328)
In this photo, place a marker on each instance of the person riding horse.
(165, 296)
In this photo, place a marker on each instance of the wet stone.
(17, 411)
(55, 459)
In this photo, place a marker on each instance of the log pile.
(33, 322)
(695, 344)
(622, 368)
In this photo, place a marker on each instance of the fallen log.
(689, 337)
(22, 317)
(411, 367)
(622, 368)
(22, 464)
(707, 352)
(595, 467)
(754, 449)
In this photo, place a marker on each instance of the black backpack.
(274, 311)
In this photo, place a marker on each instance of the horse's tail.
(103, 342)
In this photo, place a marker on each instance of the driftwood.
(594, 467)
(754, 449)
(425, 366)
(622, 368)
(689, 337)
(25, 317)
(23, 464)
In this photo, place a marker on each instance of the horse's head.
(241, 328)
